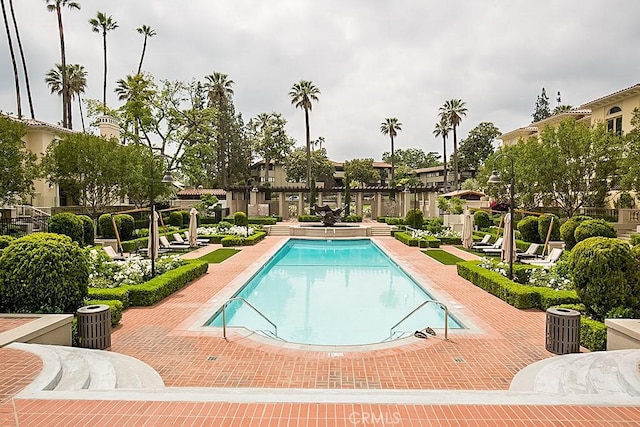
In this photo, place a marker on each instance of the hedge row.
(425, 242)
(116, 307)
(228, 241)
(593, 334)
(154, 290)
(519, 296)
(261, 220)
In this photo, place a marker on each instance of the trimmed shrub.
(228, 241)
(68, 224)
(115, 306)
(105, 226)
(593, 334)
(606, 275)
(43, 273)
(126, 224)
(121, 294)
(594, 228)
(568, 229)
(433, 225)
(635, 239)
(186, 218)
(352, 218)
(263, 220)
(6, 241)
(414, 219)
(175, 219)
(482, 219)
(309, 218)
(528, 228)
(544, 222)
(240, 219)
(87, 227)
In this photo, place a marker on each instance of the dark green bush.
(635, 239)
(352, 218)
(240, 218)
(121, 294)
(626, 200)
(568, 229)
(68, 224)
(263, 220)
(544, 222)
(482, 219)
(433, 225)
(88, 230)
(406, 238)
(126, 225)
(593, 334)
(528, 228)
(116, 307)
(606, 275)
(309, 218)
(186, 217)
(414, 218)
(594, 228)
(43, 273)
(228, 241)
(175, 219)
(141, 223)
(105, 226)
(6, 241)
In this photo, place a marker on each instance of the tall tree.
(271, 140)
(442, 129)
(542, 109)
(220, 92)
(361, 170)
(453, 111)
(477, 146)
(321, 167)
(414, 158)
(103, 24)
(147, 32)
(19, 167)
(76, 83)
(562, 108)
(22, 58)
(302, 94)
(16, 76)
(390, 127)
(56, 6)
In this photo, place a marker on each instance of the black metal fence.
(22, 226)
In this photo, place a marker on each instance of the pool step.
(601, 372)
(380, 230)
(72, 369)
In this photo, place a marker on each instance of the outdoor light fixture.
(495, 179)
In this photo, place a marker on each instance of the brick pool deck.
(505, 340)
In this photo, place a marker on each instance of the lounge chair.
(548, 261)
(165, 244)
(530, 253)
(113, 254)
(496, 248)
(201, 242)
(484, 243)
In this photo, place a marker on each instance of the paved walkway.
(503, 341)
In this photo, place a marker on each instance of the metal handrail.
(446, 317)
(224, 315)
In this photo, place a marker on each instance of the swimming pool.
(332, 292)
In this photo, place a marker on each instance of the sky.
(371, 59)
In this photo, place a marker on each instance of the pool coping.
(196, 322)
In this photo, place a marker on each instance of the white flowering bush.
(105, 273)
(555, 277)
(494, 265)
(445, 233)
(225, 229)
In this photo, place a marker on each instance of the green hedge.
(309, 218)
(425, 242)
(154, 290)
(517, 295)
(228, 241)
(593, 334)
(406, 238)
(115, 306)
(391, 220)
(352, 218)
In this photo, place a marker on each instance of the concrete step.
(279, 230)
(602, 373)
(71, 369)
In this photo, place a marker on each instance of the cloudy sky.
(371, 59)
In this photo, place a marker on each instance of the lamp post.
(153, 223)
(495, 179)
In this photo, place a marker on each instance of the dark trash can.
(94, 326)
(563, 331)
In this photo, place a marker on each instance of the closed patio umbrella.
(193, 227)
(154, 237)
(508, 249)
(467, 232)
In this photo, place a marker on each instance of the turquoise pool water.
(332, 292)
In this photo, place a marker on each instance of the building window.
(614, 120)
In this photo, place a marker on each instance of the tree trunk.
(446, 178)
(13, 60)
(306, 122)
(393, 160)
(63, 59)
(24, 62)
(104, 85)
(144, 48)
(455, 159)
(81, 115)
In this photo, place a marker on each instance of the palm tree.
(390, 127)
(76, 83)
(219, 91)
(103, 23)
(56, 6)
(147, 32)
(442, 129)
(302, 93)
(22, 58)
(13, 60)
(563, 108)
(452, 111)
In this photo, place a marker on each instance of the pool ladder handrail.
(224, 315)
(446, 317)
